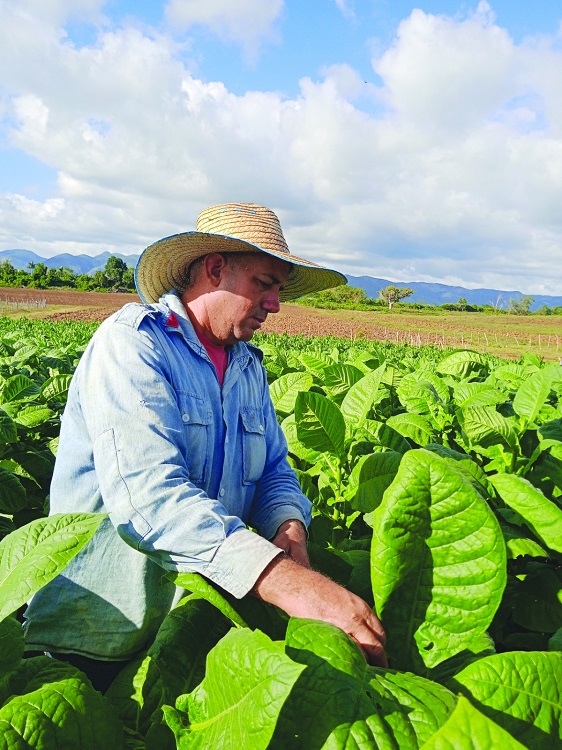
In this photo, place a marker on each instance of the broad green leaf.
(550, 433)
(33, 555)
(462, 463)
(468, 729)
(543, 517)
(11, 645)
(315, 363)
(414, 427)
(341, 702)
(198, 585)
(369, 479)
(382, 434)
(359, 400)
(51, 706)
(518, 544)
(437, 583)
(320, 424)
(532, 394)
(13, 497)
(174, 664)
(522, 692)
(339, 378)
(478, 394)
(463, 363)
(484, 426)
(539, 600)
(19, 388)
(285, 389)
(248, 679)
(555, 643)
(33, 416)
(294, 445)
(56, 388)
(8, 429)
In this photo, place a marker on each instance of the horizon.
(120, 121)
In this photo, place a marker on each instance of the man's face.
(248, 291)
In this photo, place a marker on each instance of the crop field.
(435, 476)
(508, 336)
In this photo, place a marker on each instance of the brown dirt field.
(505, 335)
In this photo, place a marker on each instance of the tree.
(520, 306)
(462, 303)
(391, 294)
(114, 270)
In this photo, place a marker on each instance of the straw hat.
(228, 228)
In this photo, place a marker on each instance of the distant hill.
(77, 263)
(424, 292)
(439, 294)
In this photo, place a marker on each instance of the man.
(170, 430)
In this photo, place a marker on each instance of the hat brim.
(162, 266)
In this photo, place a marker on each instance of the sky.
(408, 141)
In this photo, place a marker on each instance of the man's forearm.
(302, 592)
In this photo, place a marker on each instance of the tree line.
(116, 276)
(355, 298)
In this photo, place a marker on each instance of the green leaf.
(285, 390)
(463, 363)
(33, 555)
(56, 388)
(484, 427)
(555, 643)
(519, 545)
(478, 394)
(338, 379)
(8, 429)
(468, 729)
(316, 362)
(369, 479)
(320, 424)
(11, 645)
(248, 680)
(294, 445)
(519, 691)
(532, 394)
(543, 517)
(359, 400)
(13, 497)
(174, 664)
(33, 416)
(413, 426)
(52, 706)
(436, 584)
(198, 585)
(340, 702)
(539, 600)
(19, 388)
(382, 434)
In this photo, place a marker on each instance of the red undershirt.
(217, 354)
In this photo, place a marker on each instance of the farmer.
(170, 430)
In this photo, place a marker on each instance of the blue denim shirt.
(179, 464)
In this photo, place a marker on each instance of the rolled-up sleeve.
(139, 449)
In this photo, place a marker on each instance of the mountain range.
(424, 292)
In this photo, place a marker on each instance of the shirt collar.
(178, 320)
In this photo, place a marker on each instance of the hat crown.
(250, 222)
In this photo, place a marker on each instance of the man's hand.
(302, 592)
(291, 537)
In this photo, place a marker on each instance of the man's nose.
(270, 302)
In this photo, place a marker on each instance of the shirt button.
(221, 492)
(226, 439)
(185, 417)
(262, 428)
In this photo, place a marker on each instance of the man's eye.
(264, 284)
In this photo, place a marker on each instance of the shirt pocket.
(196, 418)
(253, 444)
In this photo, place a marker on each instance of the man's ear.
(214, 265)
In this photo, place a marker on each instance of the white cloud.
(454, 172)
(246, 22)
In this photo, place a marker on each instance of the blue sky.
(416, 142)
